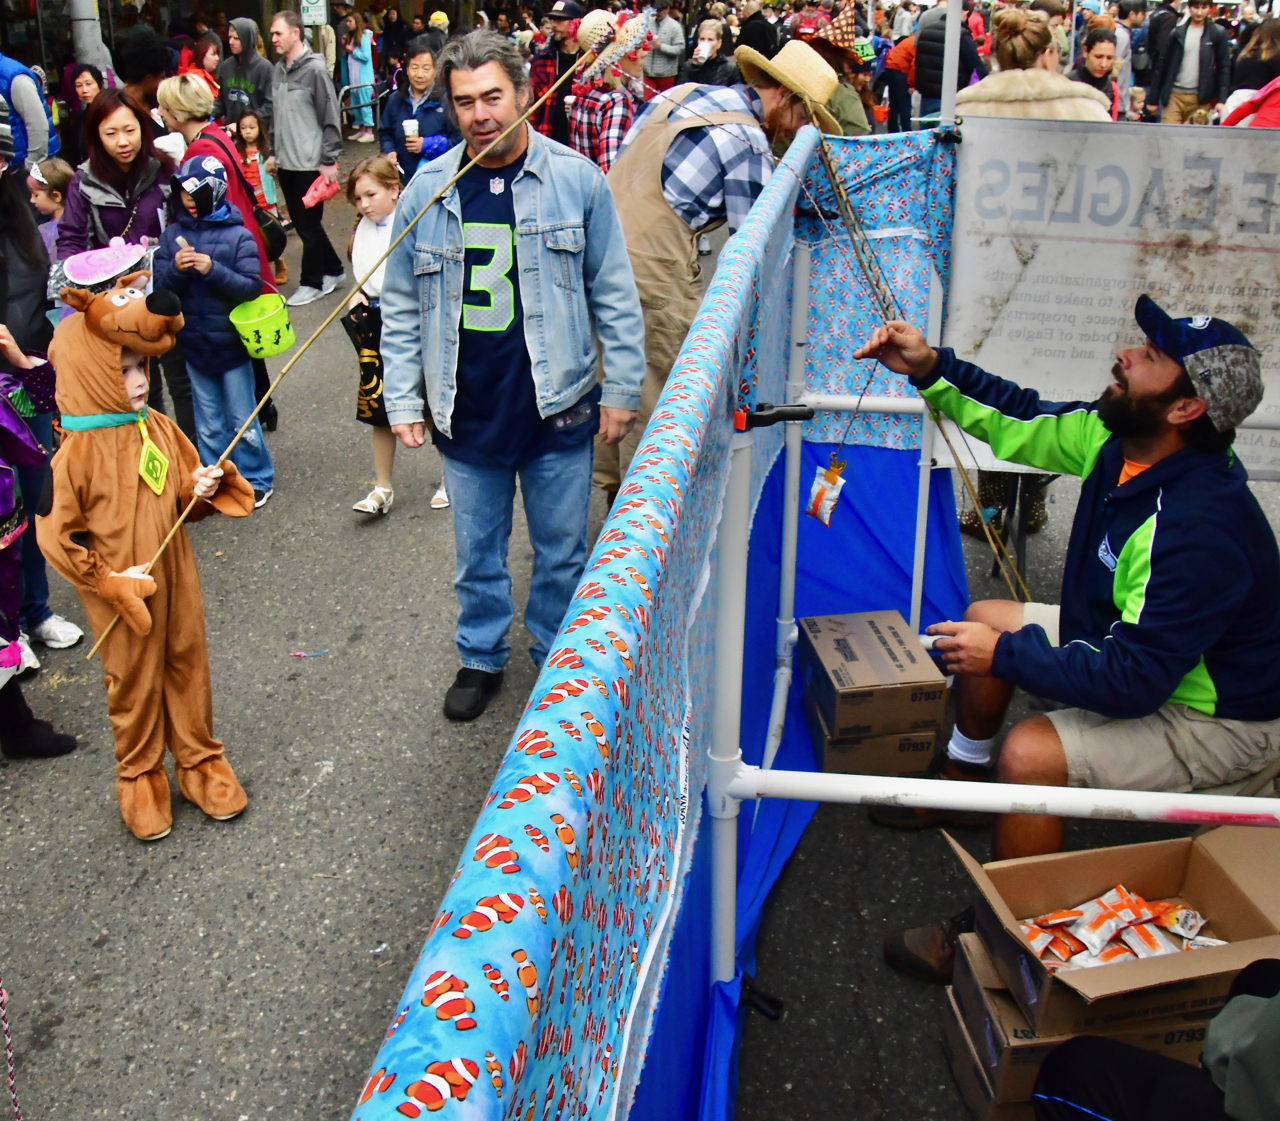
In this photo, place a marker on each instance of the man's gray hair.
(477, 49)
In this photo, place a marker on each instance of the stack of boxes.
(872, 695)
(1005, 1012)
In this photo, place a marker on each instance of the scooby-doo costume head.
(104, 518)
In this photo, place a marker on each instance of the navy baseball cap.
(566, 9)
(1222, 363)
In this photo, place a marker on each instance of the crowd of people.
(528, 327)
(205, 152)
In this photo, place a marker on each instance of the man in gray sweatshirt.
(307, 139)
(244, 77)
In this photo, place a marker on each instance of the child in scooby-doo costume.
(120, 480)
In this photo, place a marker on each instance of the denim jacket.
(575, 283)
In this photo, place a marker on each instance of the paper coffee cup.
(410, 128)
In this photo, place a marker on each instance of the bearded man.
(1166, 645)
(696, 158)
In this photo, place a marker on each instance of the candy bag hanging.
(828, 482)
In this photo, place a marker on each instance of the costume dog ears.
(81, 298)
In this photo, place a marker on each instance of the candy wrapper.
(1132, 908)
(827, 484)
(1097, 926)
(1147, 940)
(1058, 918)
(1066, 945)
(1202, 942)
(1183, 921)
(1039, 939)
(1113, 953)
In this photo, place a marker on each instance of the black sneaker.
(270, 416)
(469, 694)
(260, 497)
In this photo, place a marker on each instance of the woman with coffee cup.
(414, 126)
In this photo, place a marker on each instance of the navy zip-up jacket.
(209, 340)
(1171, 589)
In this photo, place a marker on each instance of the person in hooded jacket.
(210, 261)
(244, 79)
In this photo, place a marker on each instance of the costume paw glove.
(234, 496)
(125, 594)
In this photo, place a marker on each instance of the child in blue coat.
(210, 261)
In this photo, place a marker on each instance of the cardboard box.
(1010, 1053)
(1227, 878)
(905, 753)
(869, 675)
(966, 1069)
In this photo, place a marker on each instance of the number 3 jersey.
(496, 422)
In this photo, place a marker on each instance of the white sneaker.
(304, 294)
(29, 660)
(331, 282)
(57, 633)
(440, 500)
(704, 246)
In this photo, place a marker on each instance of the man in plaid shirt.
(549, 63)
(713, 145)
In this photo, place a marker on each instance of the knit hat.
(205, 180)
(800, 69)
(1222, 363)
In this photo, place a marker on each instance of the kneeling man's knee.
(1032, 755)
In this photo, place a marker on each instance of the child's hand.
(356, 301)
(201, 262)
(13, 352)
(270, 166)
(205, 481)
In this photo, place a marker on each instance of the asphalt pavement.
(249, 969)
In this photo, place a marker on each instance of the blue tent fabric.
(874, 522)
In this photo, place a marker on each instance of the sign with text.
(1061, 225)
(315, 13)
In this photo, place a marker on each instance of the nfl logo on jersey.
(497, 185)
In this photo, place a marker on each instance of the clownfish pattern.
(598, 798)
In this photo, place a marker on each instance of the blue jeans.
(35, 582)
(222, 401)
(557, 489)
(930, 107)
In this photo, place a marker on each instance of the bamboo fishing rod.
(587, 57)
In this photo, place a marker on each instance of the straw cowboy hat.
(800, 69)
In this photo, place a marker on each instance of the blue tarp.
(875, 523)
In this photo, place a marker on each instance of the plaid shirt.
(542, 76)
(717, 171)
(598, 122)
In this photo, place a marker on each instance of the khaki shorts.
(1176, 748)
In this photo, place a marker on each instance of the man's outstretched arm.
(1063, 437)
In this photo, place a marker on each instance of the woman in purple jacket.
(121, 189)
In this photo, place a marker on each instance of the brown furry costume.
(102, 520)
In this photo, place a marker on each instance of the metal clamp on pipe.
(765, 415)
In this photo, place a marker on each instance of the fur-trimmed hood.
(1033, 93)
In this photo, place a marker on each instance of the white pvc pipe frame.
(730, 781)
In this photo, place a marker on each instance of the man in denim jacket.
(491, 309)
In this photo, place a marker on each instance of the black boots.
(22, 736)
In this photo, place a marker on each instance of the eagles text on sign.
(1061, 225)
